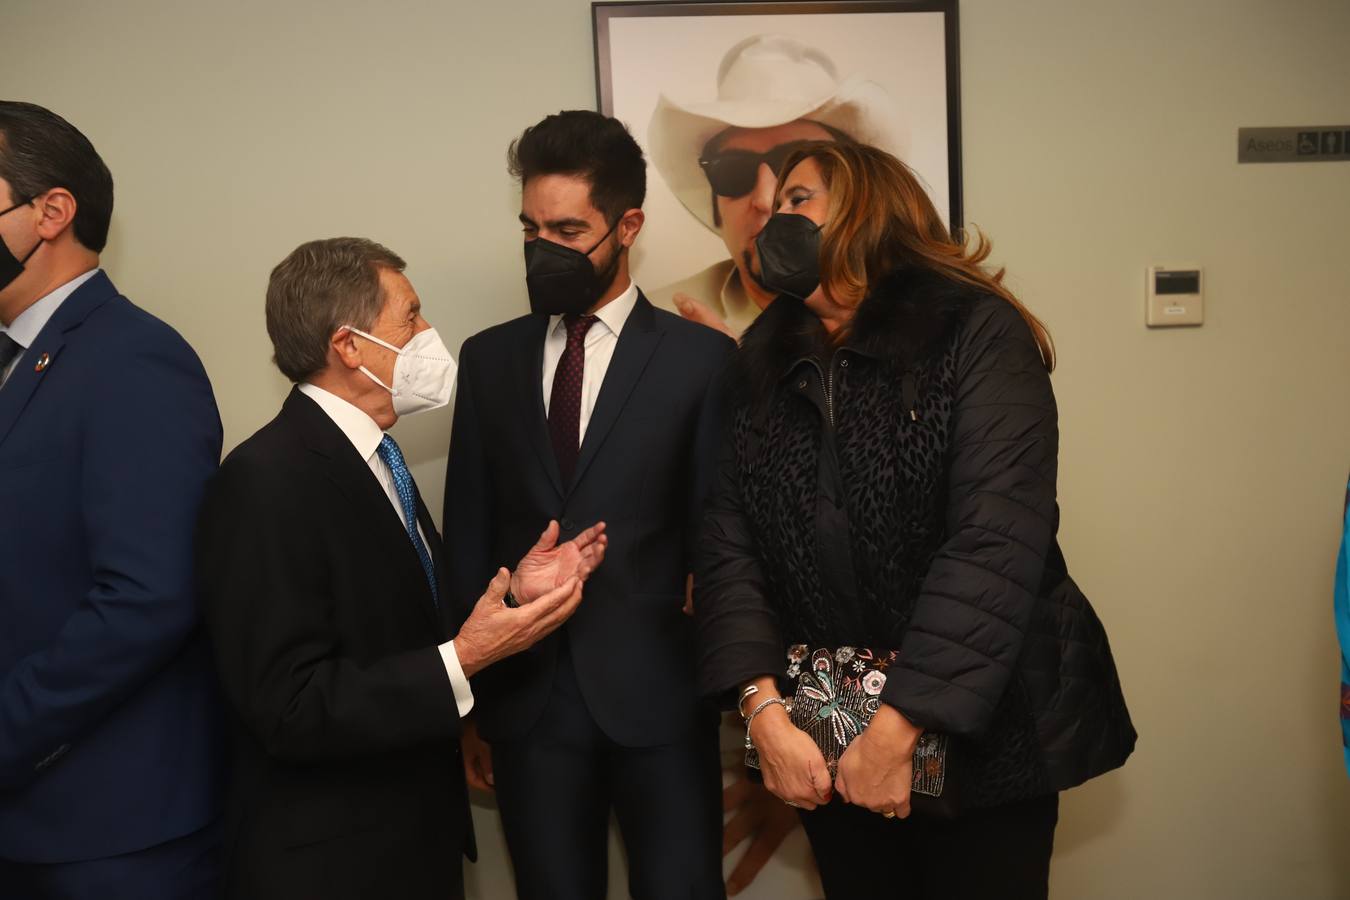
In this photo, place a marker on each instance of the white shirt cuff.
(458, 682)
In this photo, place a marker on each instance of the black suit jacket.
(644, 464)
(347, 778)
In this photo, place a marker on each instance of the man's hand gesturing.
(549, 564)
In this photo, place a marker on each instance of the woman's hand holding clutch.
(793, 767)
(876, 770)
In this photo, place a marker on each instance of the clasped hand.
(875, 772)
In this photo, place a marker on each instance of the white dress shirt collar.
(29, 323)
(353, 421)
(613, 314)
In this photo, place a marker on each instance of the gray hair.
(320, 287)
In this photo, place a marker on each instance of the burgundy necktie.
(564, 405)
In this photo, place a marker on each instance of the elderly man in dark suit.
(325, 591)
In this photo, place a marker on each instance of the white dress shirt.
(365, 436)
(601, 340)
(29, 323)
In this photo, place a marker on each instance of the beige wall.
(1203, 470)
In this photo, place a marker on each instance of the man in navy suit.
(596, 407)
(109, 743)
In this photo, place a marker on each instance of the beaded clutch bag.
(835, 696)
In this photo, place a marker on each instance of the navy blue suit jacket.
(109, 738)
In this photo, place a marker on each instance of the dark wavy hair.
(587, 144)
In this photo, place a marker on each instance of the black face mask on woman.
(789, 255)
(10, 266)
(562, 281)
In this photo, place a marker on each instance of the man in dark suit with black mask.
(326, 597)
(595, 406)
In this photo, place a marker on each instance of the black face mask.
(789, 255)
(562, 281)
(10, 267)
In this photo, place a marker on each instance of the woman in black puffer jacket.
(880, 548)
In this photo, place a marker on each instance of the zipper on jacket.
(827, 379)
(829, 393)
(832, 543)
(908, 395)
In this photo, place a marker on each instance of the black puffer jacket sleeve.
(738, 632)
(977, 600)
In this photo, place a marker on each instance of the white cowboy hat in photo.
(763, 81)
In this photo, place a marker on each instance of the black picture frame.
(603, 14)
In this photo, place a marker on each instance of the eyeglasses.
(733, 173)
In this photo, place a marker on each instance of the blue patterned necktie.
(407, 498)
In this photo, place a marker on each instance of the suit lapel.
(438, 563)
(637, 342)
(532, 389)
(24, 380)
(350, 474)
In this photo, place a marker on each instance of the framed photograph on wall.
(718, 92)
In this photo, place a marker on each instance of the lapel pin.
(43, 362)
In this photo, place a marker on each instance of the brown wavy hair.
(880, 218)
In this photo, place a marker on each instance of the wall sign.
(1299, 143)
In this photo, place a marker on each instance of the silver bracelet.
(765, 704)
(748, 691)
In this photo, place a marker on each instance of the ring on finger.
(889, 814)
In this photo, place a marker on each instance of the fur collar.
(908, 317)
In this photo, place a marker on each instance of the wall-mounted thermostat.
(1175, 296)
